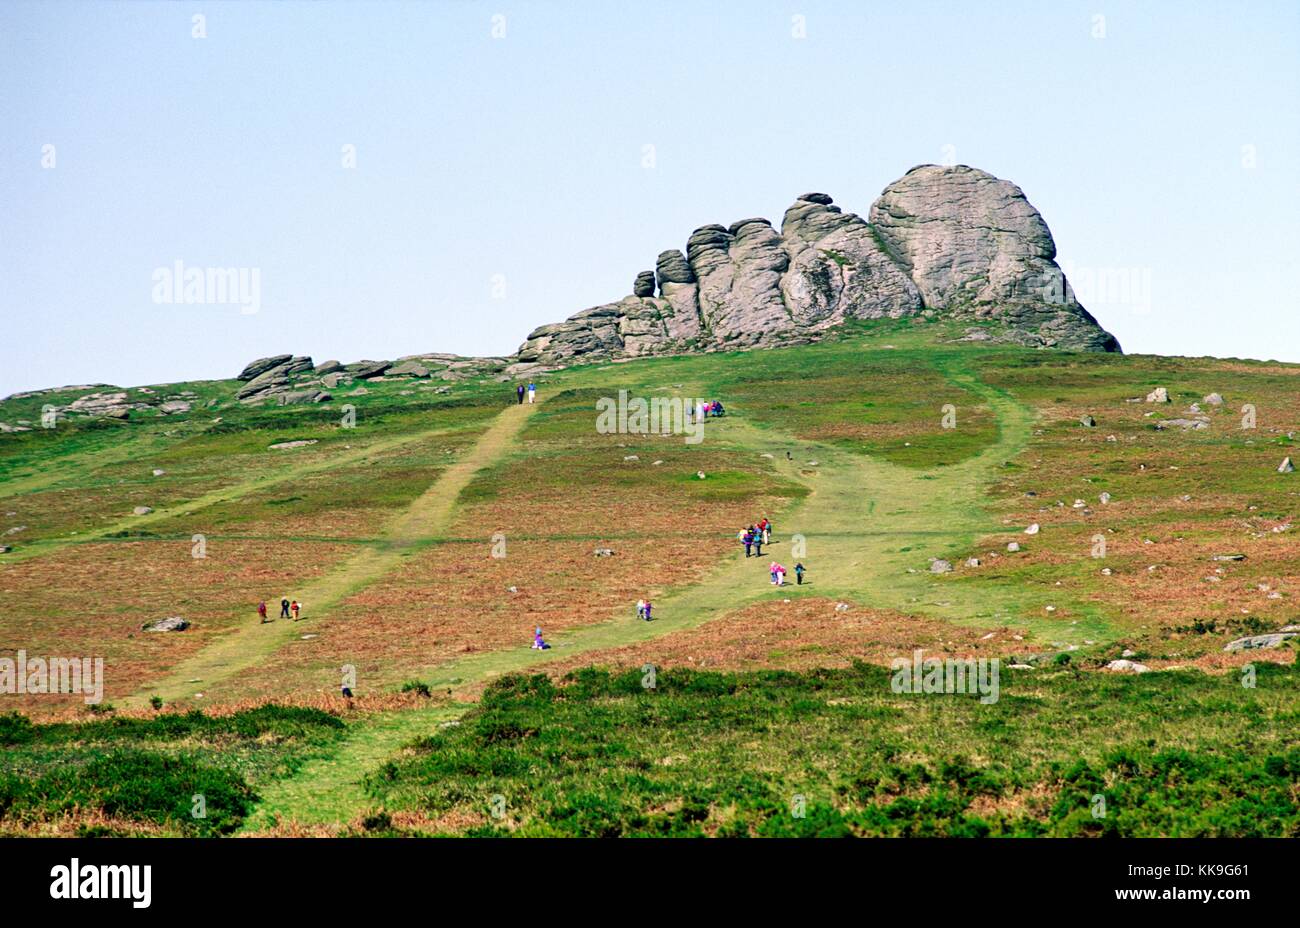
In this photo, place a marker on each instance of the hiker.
(539, 644)
(798, 574)
(261, 611)
(640, 608)
(532, 392)
(771, 571)
(295, 607)
(284, 608)
(647, 610)
(717, 408)
(758, 542)
(766, 528)
(519, 392)
(747, 539)
(780, 575)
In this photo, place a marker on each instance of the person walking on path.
(647, 610)
(747, 539)
(780, 575)
(798, 574)
(261, 611)
(758, 543)
(539, 643)
(519, 392)
(295, 607)
(640, 608)
(284, 608)
(766, 527)
(532, 392)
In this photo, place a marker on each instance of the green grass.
(144, 774)
(728, 754)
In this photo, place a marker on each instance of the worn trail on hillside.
(866, 522)
(427, 517)
(231, 493)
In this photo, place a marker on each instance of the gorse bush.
(836, 752)
(195, 777)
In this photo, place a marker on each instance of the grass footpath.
(866, 521)
(421, 522)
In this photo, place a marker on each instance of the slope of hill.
(970, 499)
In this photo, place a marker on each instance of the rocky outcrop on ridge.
(948, 241)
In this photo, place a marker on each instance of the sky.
(400, 178)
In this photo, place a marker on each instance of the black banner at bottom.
(135, 878)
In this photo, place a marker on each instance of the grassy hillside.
(429, 538)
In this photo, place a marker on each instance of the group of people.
(756, 536)
(777, 572)
(288, 610)
(532, 392)
(759, 534)
(643, 607)
(705, 409)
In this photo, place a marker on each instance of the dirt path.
(425, 518)
(866, 521)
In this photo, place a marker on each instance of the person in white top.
(532, 392)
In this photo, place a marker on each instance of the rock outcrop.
(948, 241)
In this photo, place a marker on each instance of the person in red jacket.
(261, 610)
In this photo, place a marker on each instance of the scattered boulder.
(1286, 467)
(1105, 497)
(302, 443)
(1214, 399)
(174, 407)
(1032, 530)
(972, 562)
(1127, 666)
(170, 624)
(1274, 640)
(328, 367)
(939, 566)
(1199, 423)
(142, 510)
(603, 552)
(1158, 395)
(1088, 422)
(1013, 546)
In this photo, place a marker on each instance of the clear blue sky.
(523, 156)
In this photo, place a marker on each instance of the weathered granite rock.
(407, 369)
(1274, 640)
(949, 241)
(644, 284)
(262, 365)
(364, 370)
(974, 246)
(170, 624)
